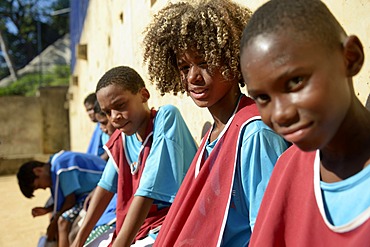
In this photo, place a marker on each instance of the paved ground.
(18, 228)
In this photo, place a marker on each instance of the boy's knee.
(63, 224)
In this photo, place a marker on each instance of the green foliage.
(28, 85)
(29, 27)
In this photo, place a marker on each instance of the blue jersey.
(96, 142)
(76, 173)
(259, 150)
(341, 210)
(171, 153)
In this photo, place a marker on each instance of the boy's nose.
(115, 116)
(284, 113)
(194, 75)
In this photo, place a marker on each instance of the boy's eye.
(294, 84)
(106, 113)
(262, 99)
(184, 69)
(203, 65)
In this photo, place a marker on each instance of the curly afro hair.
(213, 28)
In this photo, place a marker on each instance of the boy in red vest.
(195, 48)
(149, 155)
(298, 63)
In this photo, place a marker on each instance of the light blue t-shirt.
(172, 151)
(104, 138)
(259, 150)
(96, 145)
(347, 199)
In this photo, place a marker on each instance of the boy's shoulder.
(294, 158)
(168, 112)
(168, 108)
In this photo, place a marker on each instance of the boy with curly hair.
(298, 63)
(194, 48)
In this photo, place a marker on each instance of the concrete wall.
(113, 34)
(32, 127)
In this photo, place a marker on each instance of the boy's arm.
(52, 230)
(137, 213)
(38, 211)
(98, 204)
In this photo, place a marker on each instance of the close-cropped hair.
(212, 27)
(123, 76)
(309, 20)
(26, 177)
(97, 109)
(90, 99)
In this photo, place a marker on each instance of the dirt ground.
(18, 228)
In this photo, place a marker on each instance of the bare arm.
(136, 215)
(38, 211)
(98, 204)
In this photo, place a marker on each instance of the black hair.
(90, 99)
(123, 76)
(310, 20)
(26, 177)
(97, 109)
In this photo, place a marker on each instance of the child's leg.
(65, 222)
(64, 226)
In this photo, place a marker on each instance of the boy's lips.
(295, 134)
(198, 93)
(120, 127)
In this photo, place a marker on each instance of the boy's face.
(125, 110)
(301, 88)
(43, 179)
(90, 111)
(105, 125)
(204, 88)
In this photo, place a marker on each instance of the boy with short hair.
(70, 176)
(150, 153)
(298, 63)
(97, 139)
(104, 124)
(194, 48)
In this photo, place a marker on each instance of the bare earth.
(18, 228)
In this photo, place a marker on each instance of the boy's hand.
(38, 211)
(52, 230)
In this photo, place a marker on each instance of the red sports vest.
(198, 214)
(289, 214)
(128, 183)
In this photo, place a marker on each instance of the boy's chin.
(306, 147)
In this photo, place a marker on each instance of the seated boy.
(97, 139)
(107, 221)
(149, 155)
(70, 176)
(298, 63)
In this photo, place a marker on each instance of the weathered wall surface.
(113, 34)
(32, 127)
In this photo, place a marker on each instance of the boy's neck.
(141, 133)
(221, 115)
(349, 151)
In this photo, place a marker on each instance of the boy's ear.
(145, 95)
(354, 55)
(37, 170)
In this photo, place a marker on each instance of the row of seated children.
(72, 178)
(227, 177)
(299, 73)
(298, 64)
